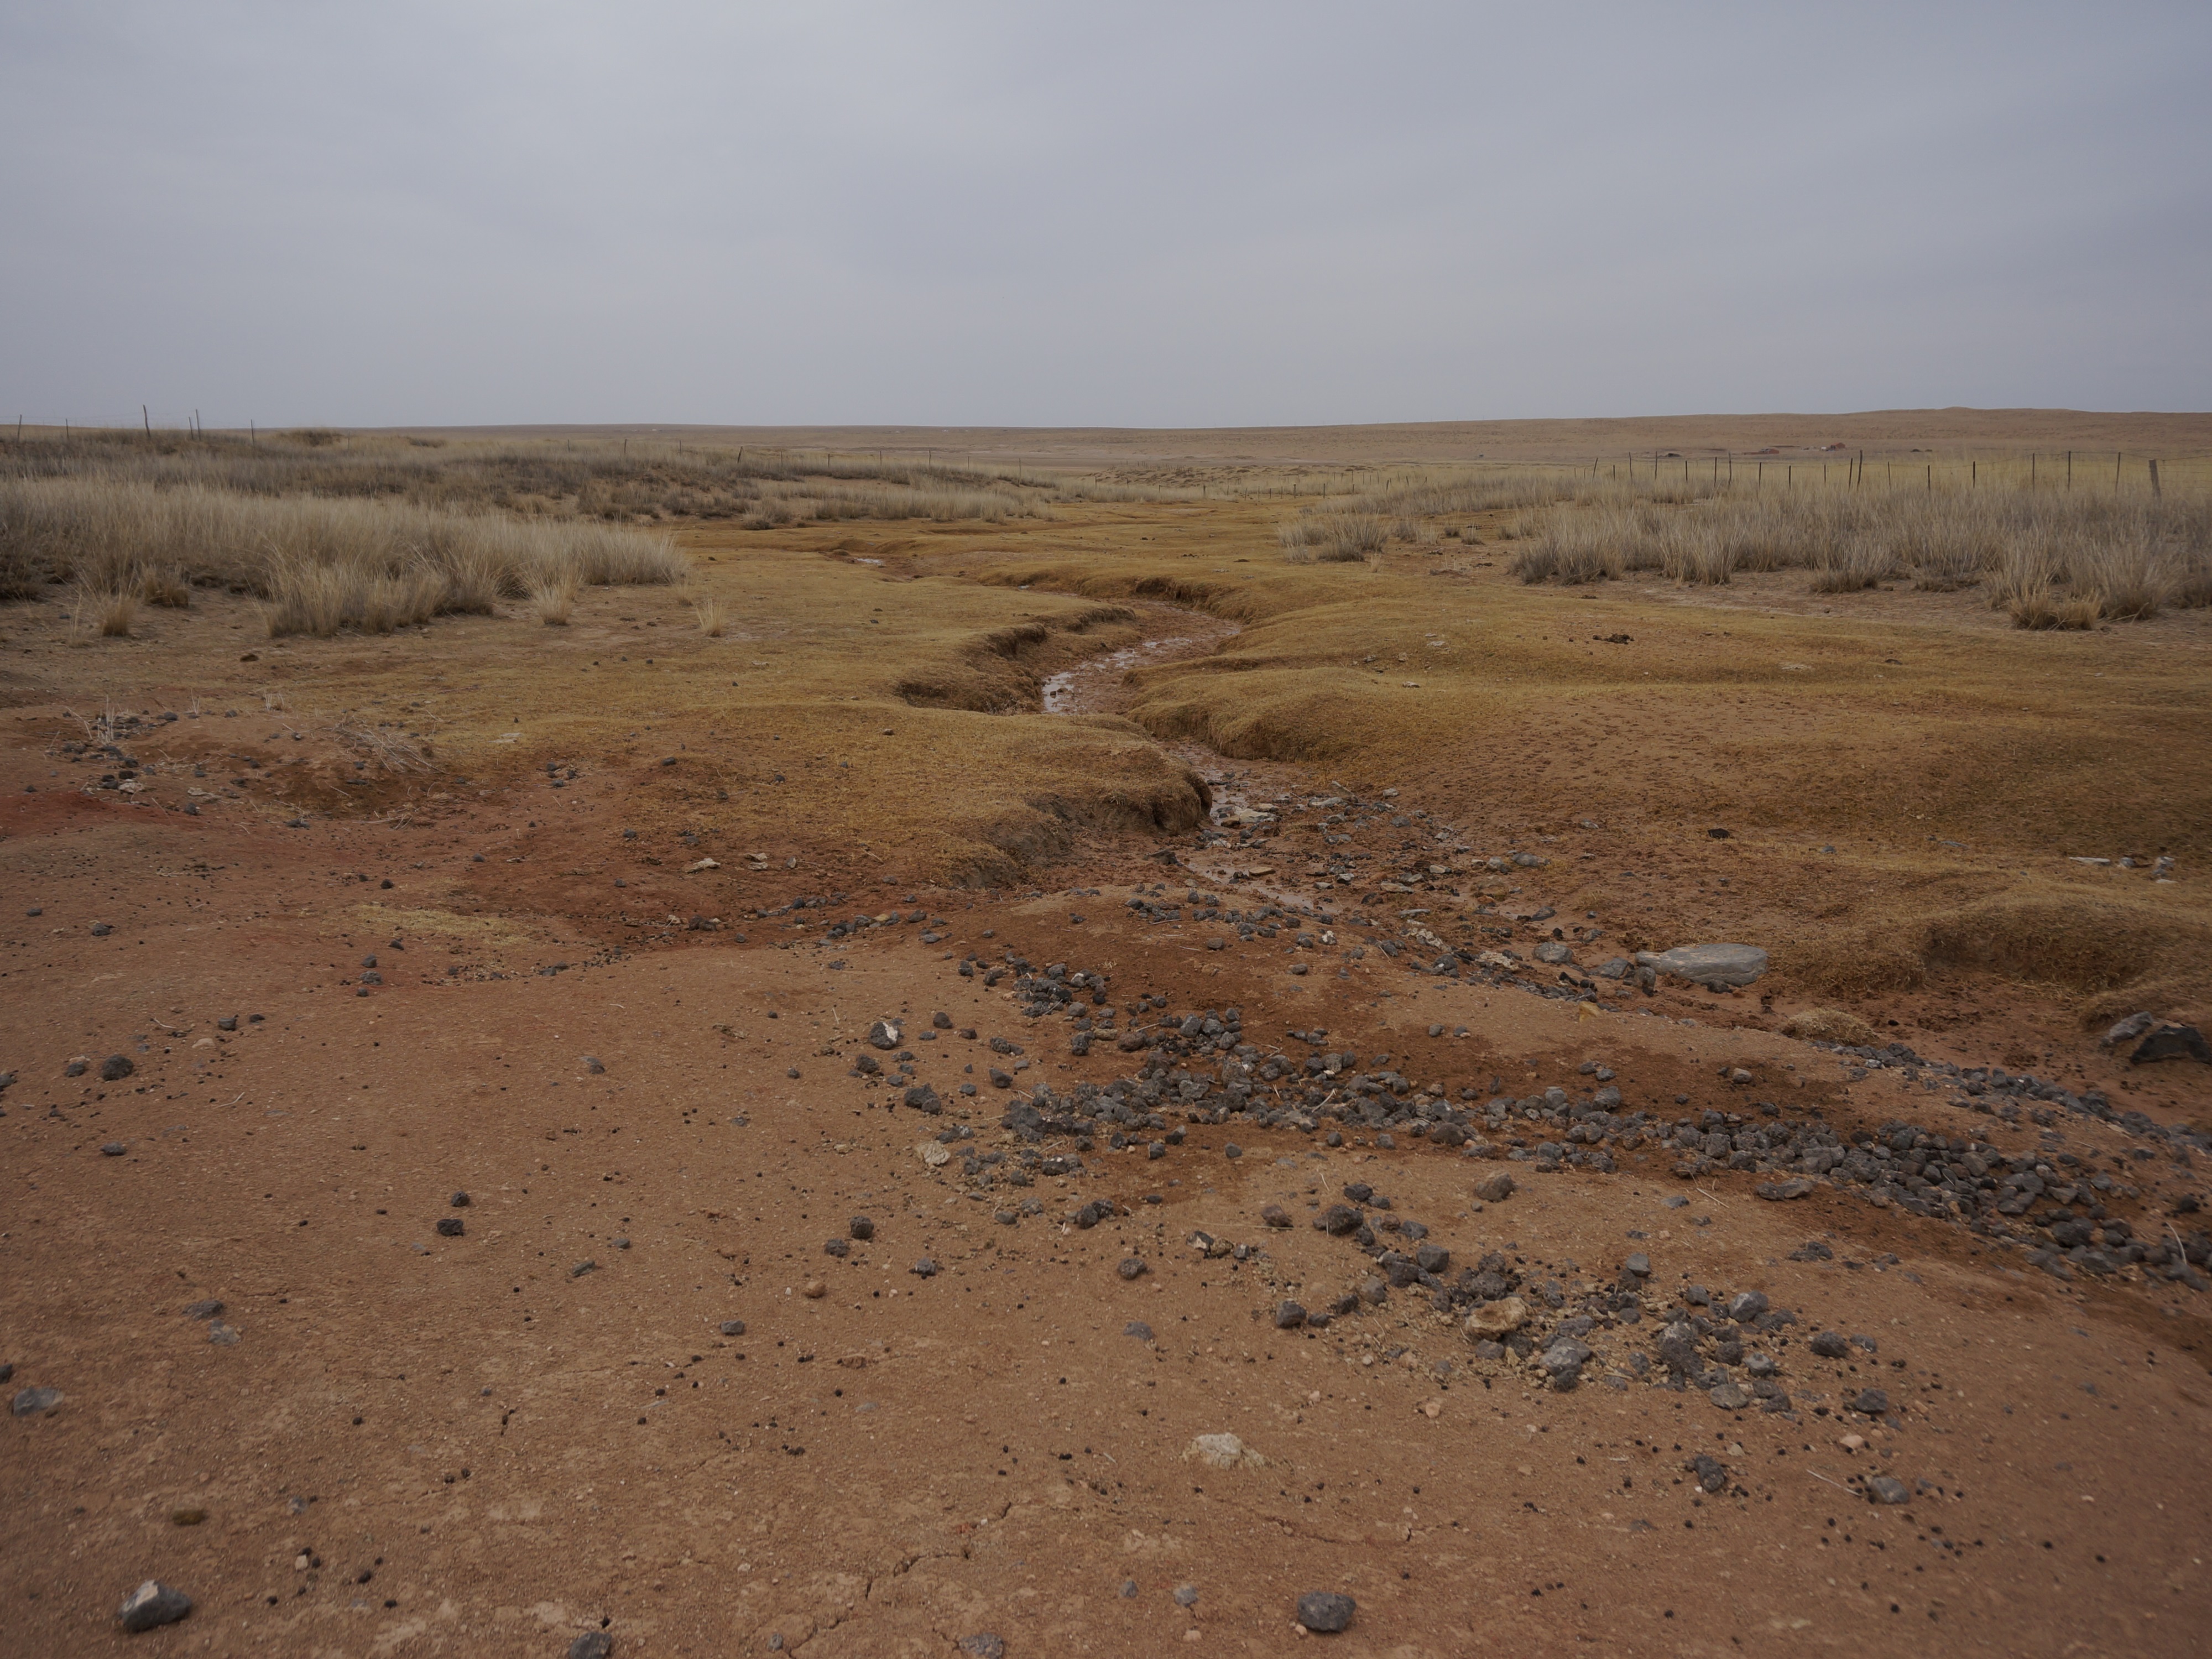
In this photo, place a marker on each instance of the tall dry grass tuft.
(712, 616)
(1333, 538)
(553, 598)
(109, 612)
(1573, 549)
(2129, 575)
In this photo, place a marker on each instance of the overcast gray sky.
(489, 211)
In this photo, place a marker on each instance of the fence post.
(2156, 493)
(2069, 470)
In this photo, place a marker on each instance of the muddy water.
(1248, 796)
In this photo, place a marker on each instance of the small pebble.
(114, 1149)
(733, 1327)
(1133, 1267)
(1186, 1596)
(592, 1644)
(449, 1226)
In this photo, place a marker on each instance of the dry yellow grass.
(1829, 1025)
(109, 612)
(321, 565)
(2049, 558)
(553, 600)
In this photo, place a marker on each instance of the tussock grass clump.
(109, 612)
(553, 600)
(712, 616)
(1333, 538)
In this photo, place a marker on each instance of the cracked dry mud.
(550, 1424)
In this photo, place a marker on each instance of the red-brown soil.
(423, 1444)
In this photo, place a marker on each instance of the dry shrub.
(712, 616)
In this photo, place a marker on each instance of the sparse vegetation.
(321, 565)
(613, 480)
(2042, 556)
(2046, 555)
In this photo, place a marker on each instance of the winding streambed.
(1246, 794)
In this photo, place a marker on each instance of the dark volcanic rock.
(2173, 1042)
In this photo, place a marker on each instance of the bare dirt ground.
(635, 1392)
